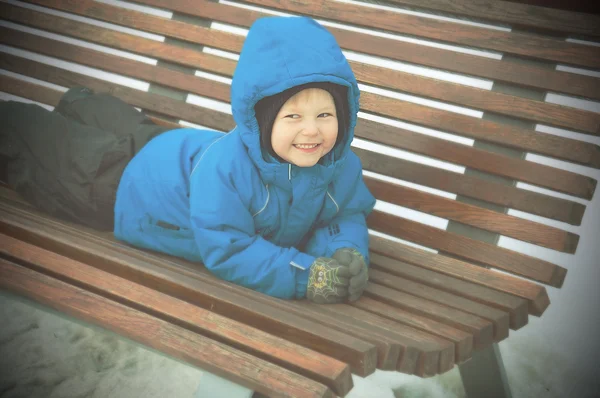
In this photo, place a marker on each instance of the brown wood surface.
(514, 227)
(420, 353)
(117, 40)
(529, 76)
(536, 295)
(470, 186)
(468, 248)
(463, 341)
(503, 224)
(522, 15)
(477, 98)
(515, 306)
(445, 180)
(360, 355)
(213, 356)
(439, 359)
(522, 170)
(482, 329)
(498, 318)
(154, 102)
(308, 363)
(485, 130)
(523, 44)
(510, 72)
(546, 144)
(486, 100)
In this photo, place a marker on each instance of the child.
(277, 205)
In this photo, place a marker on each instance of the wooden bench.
(439, 295)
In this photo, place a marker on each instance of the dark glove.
(328, 281)
(358, 269)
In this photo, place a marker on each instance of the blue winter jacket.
(217, 199)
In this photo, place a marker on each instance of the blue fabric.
(212, 197)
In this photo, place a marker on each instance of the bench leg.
(484, 374)
(215, 386)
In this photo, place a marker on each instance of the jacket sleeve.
(225, 234)
(348, 228)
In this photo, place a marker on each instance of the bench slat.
(38, 230)
(445, 354)
(154, 102)
(463, 341)
(552, 114)
(467, 185)
(516, 168)
(485, 130)
(532, 202)
(535, 294)
(482, 329)
(428, 348)
(499, 318)
(117, 40)
(477, 98)
(508, 72)
(562, 148)
(527, 45)
(176, 341)
(295, 358)
(515, 14)
(467, 248)
(515, 306)
(197, 85)
(515, 227)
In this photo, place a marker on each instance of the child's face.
(306, 127)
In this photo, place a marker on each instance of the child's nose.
(311, 128)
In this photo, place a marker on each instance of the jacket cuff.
(301, 262)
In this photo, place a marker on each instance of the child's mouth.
(307, 147)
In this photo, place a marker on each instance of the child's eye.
(293, 116)
(326, 114)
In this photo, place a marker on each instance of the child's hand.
(328, 281)
(358, 268)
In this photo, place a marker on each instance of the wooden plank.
(112, 63)
(522, 44)
(481, 329)
(515, 306)
(213, 356)
(536, 295)
(522, 15)
(117, 40)
(445, 353)
(485, 130)
(360, 355)
(421, 354)
(556, 115)
(504, 224)
(509, 72)
(522, 170)
(295, 358)
(527, 201)
(470, 186)
(498, 318)
(562, 148)
(477, 98)
(469, 249)
(214, 119)
(463, 341)
(158, 103)
(518, 169)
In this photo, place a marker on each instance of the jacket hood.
(280, 53)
